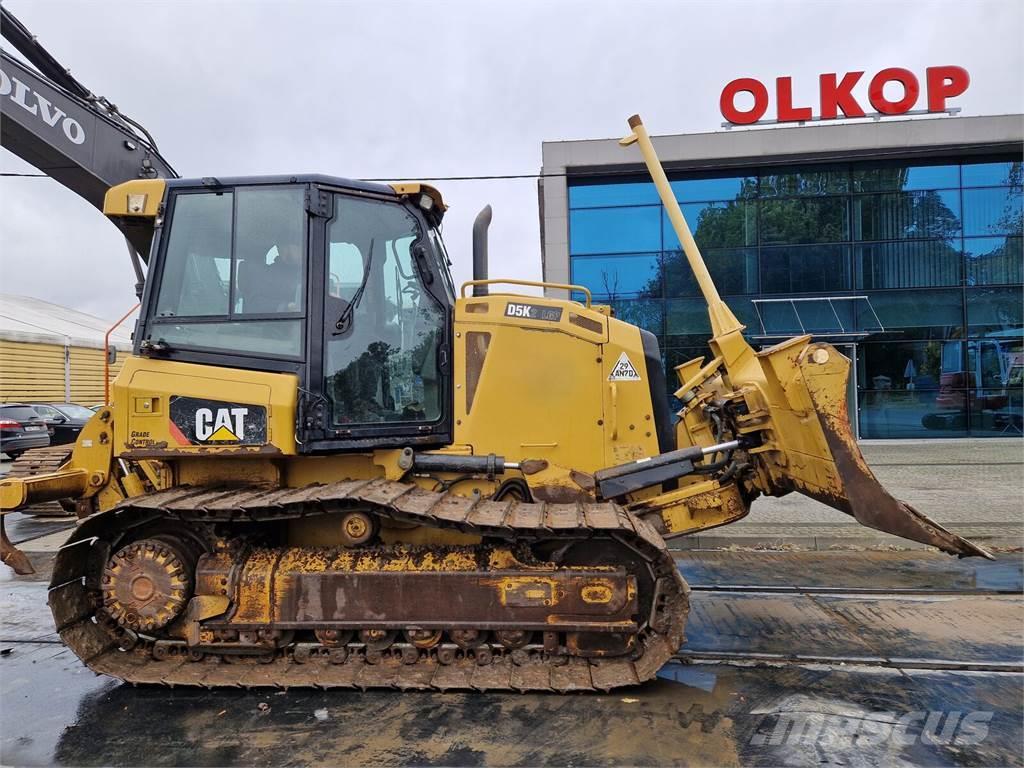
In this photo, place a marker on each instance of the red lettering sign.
(727, 103)
(784, 93)
(836, 95)
(904, 77)
(945, 83)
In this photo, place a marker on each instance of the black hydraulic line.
(735, 467)
(515, 487)
(69, 138)
(52, 121)
(28, 46)
(443, 485)
(140, 277)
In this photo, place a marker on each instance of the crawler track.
(97, 641)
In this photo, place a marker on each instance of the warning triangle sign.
(224, 435)
(624, 370)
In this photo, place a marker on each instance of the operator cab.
(343, 283)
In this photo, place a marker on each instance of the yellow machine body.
(545, 508)
(535, 391)
(531, 391)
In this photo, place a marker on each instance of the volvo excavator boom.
(55, 123)
(52, 121)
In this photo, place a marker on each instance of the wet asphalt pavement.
(700, 715)
(876, 702)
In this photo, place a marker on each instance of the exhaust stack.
(480, 225)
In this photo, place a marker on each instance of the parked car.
(64, 420)
(21, 428)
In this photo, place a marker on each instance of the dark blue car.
(21, 429)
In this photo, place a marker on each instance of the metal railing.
(803, 329)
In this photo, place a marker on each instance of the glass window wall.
(633, 275)
(934, 246)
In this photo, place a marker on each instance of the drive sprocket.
(146, 585)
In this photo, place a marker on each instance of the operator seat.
(253, 281)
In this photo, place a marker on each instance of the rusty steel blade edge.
(93, 642)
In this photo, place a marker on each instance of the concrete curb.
(830, 542)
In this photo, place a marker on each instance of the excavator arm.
(52, 121)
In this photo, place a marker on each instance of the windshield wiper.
(343, 322)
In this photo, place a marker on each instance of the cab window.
(234, 272)
(382, 326)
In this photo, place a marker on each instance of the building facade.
(50, 353)
(899, 242)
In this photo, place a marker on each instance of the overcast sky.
(421, 89)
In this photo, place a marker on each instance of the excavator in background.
(324, 466)
(54, 122)
(82, 140)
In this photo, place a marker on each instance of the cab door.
(383, 373)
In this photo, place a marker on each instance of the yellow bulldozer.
(324, 466)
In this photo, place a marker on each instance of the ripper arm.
(86, 474)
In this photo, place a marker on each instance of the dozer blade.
(840, 476)
(794, 399)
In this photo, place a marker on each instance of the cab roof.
(299, 178)
(396, 190)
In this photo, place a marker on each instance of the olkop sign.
(836, 95)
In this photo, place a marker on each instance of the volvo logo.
(40, 106)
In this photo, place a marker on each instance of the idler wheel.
(146, 584)
(357, 528)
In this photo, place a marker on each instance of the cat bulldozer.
(324, 466)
